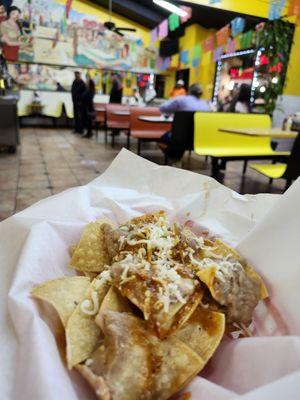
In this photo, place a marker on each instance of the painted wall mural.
(38, 31)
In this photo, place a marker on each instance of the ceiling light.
(171, 7)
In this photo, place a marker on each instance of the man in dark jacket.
(116, 92)
(78, 89)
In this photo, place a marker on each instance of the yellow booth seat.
(272, 171)
(209, 141)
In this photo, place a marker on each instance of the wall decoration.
(154, 35)
(246, 39)
(44, 77)
(174, 22)
(230, 45)
(163, 29)
(277, 54)
(184, 57)
(294, 8)
(222, 35)
(209, 43)
(52, 32)
(189, 12)
(276, 8)
(237, 26)
(217, 53)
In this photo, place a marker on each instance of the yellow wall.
(259, 8)
(205, 73)
(292, 86)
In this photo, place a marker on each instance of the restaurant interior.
(210, 86)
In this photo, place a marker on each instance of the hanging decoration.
(174, 22)
(209, 43)
(197, 53)
(166, 63)
(184, 57)
(237, 26)
(163, 29)
(217, 53)
(154, 35)
(222, 35)
(246, 40)
(294, 8)
(276, 8)
(230, 45)
(189, 12)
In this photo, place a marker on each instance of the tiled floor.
(52, 160)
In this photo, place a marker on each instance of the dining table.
(274, 133)
(100, 109)
(156, 118)
(122, 113)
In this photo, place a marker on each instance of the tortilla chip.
(135, 364)
(113, 301)
(224, 250)
(72, 249)
(82, 333)
(90, 254)
(203, 332)
(64, 294)
(91, 275)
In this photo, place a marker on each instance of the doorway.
(184, 74)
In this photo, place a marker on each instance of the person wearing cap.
(178, 90)
(191, 102)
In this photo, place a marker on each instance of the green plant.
(276, 38)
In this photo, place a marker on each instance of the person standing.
(78, 89)
(178, 90)
(116, 92)
(88, 111)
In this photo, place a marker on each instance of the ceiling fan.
(111, 26)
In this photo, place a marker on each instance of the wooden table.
(274, 133)
(158, 118)
(122, 113)
(101, 109)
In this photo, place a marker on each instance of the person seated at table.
(178, 90)
(241, 101)
(191, 102)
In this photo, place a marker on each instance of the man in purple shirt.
(191, 102)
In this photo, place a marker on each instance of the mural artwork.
(43, 31)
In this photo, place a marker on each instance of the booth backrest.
(138, 125)
(182, 138)
(117, 121)
(208, 136)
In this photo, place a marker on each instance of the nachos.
(152, 307)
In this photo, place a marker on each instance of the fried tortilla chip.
(134, 364)
(231, 282)
(82, 333)
(203, 332)
(91, 254)
(64, 294)
(113, 301)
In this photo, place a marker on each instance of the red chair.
(118, 117)
(145, 131)
(100, 118)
